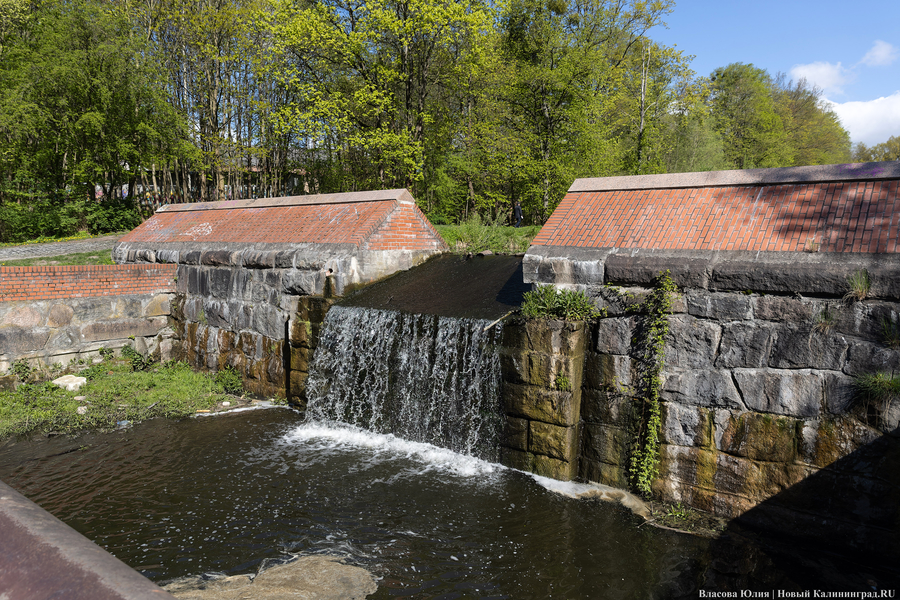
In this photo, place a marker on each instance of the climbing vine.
(650, 342)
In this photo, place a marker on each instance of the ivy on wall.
(650, 341)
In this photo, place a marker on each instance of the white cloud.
(870, 122)
(881, 54)
(825, 75)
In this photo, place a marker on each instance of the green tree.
(814, 131)
(746, 116)
(887, 150)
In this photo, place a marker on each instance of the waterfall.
(421, 377)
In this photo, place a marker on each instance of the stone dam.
(760, 419)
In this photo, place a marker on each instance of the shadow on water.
(450, 285)
(836, 530)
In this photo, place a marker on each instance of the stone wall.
(541, 365)
(758, 398)
(54, 315)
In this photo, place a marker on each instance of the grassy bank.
(113, 393)
(97, 257)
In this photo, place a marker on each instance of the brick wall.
(49, 283)
(406, 228)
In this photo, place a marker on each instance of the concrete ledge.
(871, 171)
(401, 195)
(815, 273)
(42, 557)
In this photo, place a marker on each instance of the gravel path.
(58, 248)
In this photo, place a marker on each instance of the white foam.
(594, 490)
(387, 446)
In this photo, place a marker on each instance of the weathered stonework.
(542, 365)
(48, 332)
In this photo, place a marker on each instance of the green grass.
(476, 235)
(97, 257)
(113, 393)
(82, 235)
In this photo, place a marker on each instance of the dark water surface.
(224, 494)
(450, 285)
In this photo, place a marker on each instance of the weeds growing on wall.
(546, 302)
(859, 284)
(650, 341)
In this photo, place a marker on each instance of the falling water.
(420, 377)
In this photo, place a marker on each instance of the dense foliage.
(470, 105)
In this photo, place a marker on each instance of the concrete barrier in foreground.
(42, 557)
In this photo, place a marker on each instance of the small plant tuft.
(825, 320)
(563, 384)
(230, 380)
(21, 369)
(859, 284)
(138, 362)
(546, 302)
(879, 387)
(890, 333)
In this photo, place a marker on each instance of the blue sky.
(849, 49)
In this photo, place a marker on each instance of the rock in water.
(307, 578)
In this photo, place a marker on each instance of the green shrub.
(546, 302)
(230, 380)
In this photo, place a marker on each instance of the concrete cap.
(399, 195)
(872, 171)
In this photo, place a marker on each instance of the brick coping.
(871, 171)
(398, 195)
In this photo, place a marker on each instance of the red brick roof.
(831, 209)
(369, 220)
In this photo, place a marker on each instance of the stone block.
(791, 393)
(269, 321)
(159, 305)
(531, 368)
(300, 332)
(600, 406)
(608, 371)
(692, 343)
(745, 344)
(60, 315)
(718, 306)
(515, 434)
(762, 437)
(16, 341)
(216, 313)
(605, 444)
(62, 339)
(516, 459)
(783, 308)
(127, 307)
(830, 439)
(558, 408)
(71, 383)
(217, 258)
(547, 337)
(802, 347)
(598, 472)
(711, 388)
(815, 276)
(220, 280)
(613, 335)
(190, 257)
(300, 359)
(112, 330)
(839, 393)
(302, 283)
(553, 440)
(866, 357)
(684, 425)
(314, 308)
(24, 317)
(867, 319)
(554, 468)
(253, 259)
(643, 269)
